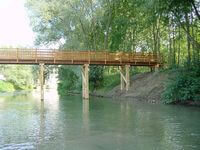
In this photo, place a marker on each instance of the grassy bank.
(109, 82)
(173, 86)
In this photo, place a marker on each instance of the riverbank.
(155, 87)
(144, 87)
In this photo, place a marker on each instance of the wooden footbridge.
(85, 58)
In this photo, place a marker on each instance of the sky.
(15, 27)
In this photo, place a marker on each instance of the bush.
(68, 80)
(184, 87)
(96, 77)
(6, 86)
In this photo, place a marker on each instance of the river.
(99, 124)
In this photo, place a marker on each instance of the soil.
(145, 87)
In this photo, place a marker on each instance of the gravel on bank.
(145, 86)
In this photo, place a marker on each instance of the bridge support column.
(42, 81)
(157, 68)
(122, 81)
(85, 81)
(125, 77)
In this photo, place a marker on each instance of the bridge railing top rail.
(55, 54)
(71, 50)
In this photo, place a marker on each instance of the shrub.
(184, 87)
(6, 86)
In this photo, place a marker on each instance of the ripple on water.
(72, 124)
(21, 146)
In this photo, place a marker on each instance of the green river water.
(99, 124)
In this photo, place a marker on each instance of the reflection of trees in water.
(141, 123)
(20, 101)
(19, 118)
(180, 127)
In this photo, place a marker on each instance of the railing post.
(120, 58)
(36, 55)
(17, 55)
(105, 56)
(89, 56)
(54, 56)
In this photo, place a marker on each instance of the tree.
(167, 27)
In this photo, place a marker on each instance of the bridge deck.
(58, 57)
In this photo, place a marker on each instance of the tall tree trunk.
(198, 49)
(154, 39)
(108, 25)
(192, 39)
(158, 35)
(93, 26)
(192, 34)
(188, 39)
(170, 44)
(179, 44)
(195, 8)
(133, 40)
(174, 46)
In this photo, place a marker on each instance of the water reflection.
(42, 124)
(86, 119)
(73, 123)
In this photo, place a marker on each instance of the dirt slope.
(146, 86)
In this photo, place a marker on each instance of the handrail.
(96, 57)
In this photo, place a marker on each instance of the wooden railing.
(35, 56)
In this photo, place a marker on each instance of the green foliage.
(183, 87)
(96, 77)
(68, 80)
(167, 27)
(6, 86)
(19, 76)
(110, 81)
